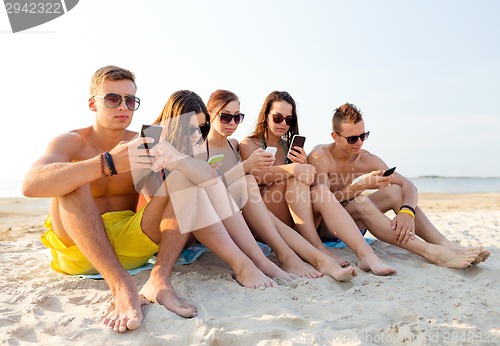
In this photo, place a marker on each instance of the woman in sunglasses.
(218, 224)
(286, 190)
(224, 109)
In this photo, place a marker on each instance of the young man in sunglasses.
(349, 171)
(93, 225)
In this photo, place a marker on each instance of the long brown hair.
(186, 103)
(261, 129)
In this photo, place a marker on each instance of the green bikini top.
(264, 146)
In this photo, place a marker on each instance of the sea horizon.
(425, 184)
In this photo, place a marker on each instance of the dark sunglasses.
(278, 119)
(194, 129)
(354, 139)
(112, 100)
(226, 118)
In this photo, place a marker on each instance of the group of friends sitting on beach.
(118, 198)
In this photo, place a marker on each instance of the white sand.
(422, 304)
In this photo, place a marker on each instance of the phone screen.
(153, 131)
(297, 141)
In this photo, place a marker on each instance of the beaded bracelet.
(406, 211)
(409, 207)
(110, 163)
(101, 163)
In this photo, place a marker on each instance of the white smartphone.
(271, 150)
(216, 159)
(297, 141)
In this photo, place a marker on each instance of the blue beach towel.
(187, 256)
(339, 244)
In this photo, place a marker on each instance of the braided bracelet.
(110, 163)
(409, 207)
(101, 163)
(406, 211)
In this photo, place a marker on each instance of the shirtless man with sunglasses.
(93, 225)
(348, 171)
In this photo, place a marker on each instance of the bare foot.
(295, 265)
(160, 290)
(125, 313)
(251, 277)
(272, 270)
(330, 267)
(374, 264)
(342, 262)
(483, 256)
(451, 258)
(462, 250)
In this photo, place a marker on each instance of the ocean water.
(456, 185)
(12, 188)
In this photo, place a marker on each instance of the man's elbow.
(28, 189)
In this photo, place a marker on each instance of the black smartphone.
(389, 172)
(297, 141)
(153, 131)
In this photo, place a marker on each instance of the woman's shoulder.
(250, 141)
(234, 143)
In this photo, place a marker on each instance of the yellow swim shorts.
(131, 245)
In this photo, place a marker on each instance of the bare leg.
(297, 200)
(363, 209)
(341, 225)
(240, 233)
(322, 262)
(189, 199)
(218, 240)
(158, 288)
(89, 234)
(259, 219)
(391, 198)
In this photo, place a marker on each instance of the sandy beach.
(421, 305)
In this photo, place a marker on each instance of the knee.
(80, 194)
(394, 194)
(250, 180)
(361, 205)
(321, 192)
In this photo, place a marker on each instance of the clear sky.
(425, 73)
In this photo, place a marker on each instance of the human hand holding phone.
(296, 152)
(152, 131)
(259, 159)
(216, 160)
(271, 150)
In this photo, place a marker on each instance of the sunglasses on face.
(354, 139)
(194, 129)
(278, 119)
(112, 100)
(226, 118)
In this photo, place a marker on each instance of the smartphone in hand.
(271, 150)
(389, 172)
(153, 131)
(297, 141)
(215, 159)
